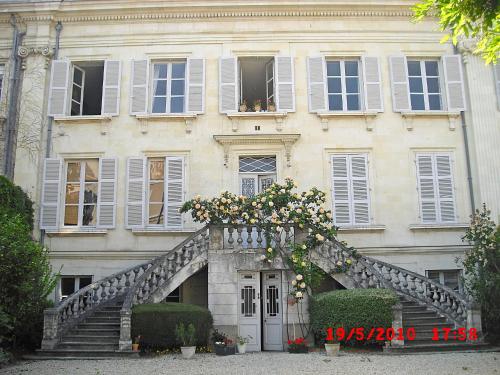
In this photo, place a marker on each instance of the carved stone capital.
(24, 51)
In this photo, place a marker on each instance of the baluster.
(119, 285)
(103, 290)
(259, 237)
(435, 296)
(178, 260)
(411, 285)
(419, 289)
(111, 288)
(239, 238)
(171, 266)
(230, 239)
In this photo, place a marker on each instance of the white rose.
(294, 282)
(254, 203)
(197, 206)
(298, 294)
(304, 247)
(319, 237)
(223, 200)
(303, 285)
(299, 277)
(262, 257)
(299, 211)
(282, 191)
(271, 204)
(339, 263)
(263, 199)
(303, 264)
(269, 250)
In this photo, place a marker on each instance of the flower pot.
(242, 348)
(271, 107)
(135, 347)
(257, 107)
(224, 350)
(332, 349)
(188, 351)
(243, 107)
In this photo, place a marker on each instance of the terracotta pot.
(257, 107)
(271, 107)
(332, 349)
(188, 351)
(243, 107)
(135, 347)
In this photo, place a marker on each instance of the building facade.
(127, 109)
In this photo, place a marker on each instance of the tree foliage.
(476, 19)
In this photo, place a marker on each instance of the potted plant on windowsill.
(299, 345)
(186, 336)
(257, 105)
(241, 343)
(135, 344)
(243, 106)
(271, 106)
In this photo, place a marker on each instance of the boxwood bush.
(156, 322)
(351, 308)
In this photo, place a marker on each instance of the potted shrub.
(135, 344)
(222, 344)
(271, 106)
(332, 348)
(186, 336)
(299, 345)
(243, 106)
(242, 342)
(257, 105)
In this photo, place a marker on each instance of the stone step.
(94, 331)
(85, 325)
(100, 313)
(410, 309)
(102, 319)
(419, 326)
(424, 319)
(419, 314)
(92, 338)
(84, 353)
(77, 345)
(435, 347)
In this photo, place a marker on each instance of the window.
(257, 173)
(350, 191)
(435, 186)
(169, 87)
(423, 78)
(343, 85)
(71, 284)
(175, 296)
(449, 278)
(2, 73)
(86, 88)
(256, 83)
(82, 186)
(156, 191)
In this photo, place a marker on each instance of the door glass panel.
(272, 300)
(265, 182)
(248, 187)
(248, 301)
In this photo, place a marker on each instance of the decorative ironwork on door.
(272, 300)
(248, 301)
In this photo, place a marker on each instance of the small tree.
(482, 269)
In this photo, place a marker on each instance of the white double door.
(260, 310)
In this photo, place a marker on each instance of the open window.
(256, 84)
(86, 88)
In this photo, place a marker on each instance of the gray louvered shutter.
(316, 77)
(340, 185)
(111, 88)
(228, 84)
(360, 189)
(496, 71)
(285, 86)
(174, 191)
(59, 84)
(426, 189)
(399, 84)
(106, 204)
(196, 86)
(445, 188)
(455, 94)
(136, 197)
(372, 81)
(139, 87)
(51, 192)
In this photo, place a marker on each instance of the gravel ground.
(273, 363)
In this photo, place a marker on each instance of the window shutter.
(399, 84)
(445, 188)
(106, 205)
(425, 176)
(228, 84)
(139, 87)
(341, 199)
(374, 101)
(51, 191)
(316, 76)
(111, 88)
(360, 196)
(196, 85)
(174, 191)
(496, 71)
(453, 76)
(134, 216)
(59, 83)
(285, 84)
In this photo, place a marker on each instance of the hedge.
(13, 200)
(351, 308)
(155, 323)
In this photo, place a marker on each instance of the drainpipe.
(50, 120)
(466, 138)
(15, 79)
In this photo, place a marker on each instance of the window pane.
(160, 87)
(177, 105)
(178, 87)
(335, 102)
(353, 102)
(156, 213)
(73, 172)
(159, 105)
(72, 193)
(178, 70)
(156, 169)
(91, 170)
(270, 88)
(89, 215)
(451, 279)
(156, 192)
(67, 286)
(351, 85)
(333, 68)
(435, 102)
(334, 85)
(351, 68)
(433, 275)
(75, 109)
(416, 85)
(431, 68)
(414, 68)
(90, 193)
(76, 93)
(417, 102)
(160, 71)
(77, 77)
(71, 215)
(84, 281)
(432, 85)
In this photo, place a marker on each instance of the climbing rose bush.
(272, 210)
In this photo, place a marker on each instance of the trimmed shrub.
(351, 308)
(13, 200)
(156, 323)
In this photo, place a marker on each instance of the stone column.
(397, 323)
(474, 321)
(50, 328)
(125, 343)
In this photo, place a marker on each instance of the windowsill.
(362, 228)
(161, 231)
(327, 116)
(410, 115)
(438, 226)
(76, 232)
(235, 117)
(103, 120)
(186, 117)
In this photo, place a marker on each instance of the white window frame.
(82, 88)
(81, 196)
(77, 284)
(423, 77)
(270, 79)
(343, 84)
(168, 97)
